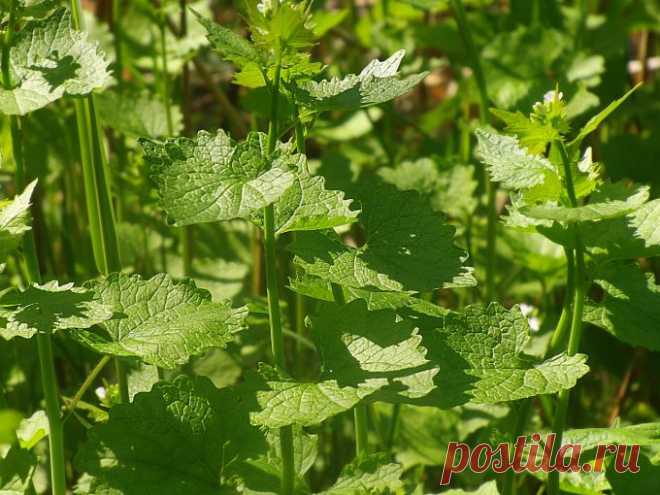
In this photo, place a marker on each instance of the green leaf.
(211, 179)
(377, 83)
(177, 438)
(489, 488)
(590, 438)
(308, 205)
(33, 429)
(408, 247)
(14, 220)
(229, 45)
(49, 308)
(630, 309)
(49, 59)
(16, 471)
(136, 114)
(510, 164)
(646, 222)
(372, 474)
(534, 135)
(161, 321)
(283, 402)
(593, 123)
(612, 202)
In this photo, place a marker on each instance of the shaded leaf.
(14, 220)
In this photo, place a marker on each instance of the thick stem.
(361, 430)
(96, 178)
(491, 188)
(44, 343)
(272, 284)
(575, 336)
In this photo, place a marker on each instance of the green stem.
(73, 402)
(575, 336)
(272, 284)
(361, 429)
(491, 189)
(299, 298)
(559, 336)
(44, 342)
(96, 178)
(391, 431)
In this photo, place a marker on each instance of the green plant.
(365, 343)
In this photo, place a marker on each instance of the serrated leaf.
(49, 59)
(372, 474)
(510, 164)
(408, 247)
(161, 321)
(229, 45)
(49, 308)
(646, 222)
(377, 83)
(630, 309)
(593, 123)
(308, 205)
(32, 430)
(481, 359)
(14, 220)
(211, 179)
(137, 114)
(175, 439)
(16, 471)
(532, 134)
(282, 403)
(603, 207)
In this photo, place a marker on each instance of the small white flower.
(584, 165)
(264, 6)
(526, 309)
(550, 96)
(534, 323)
(101, 392)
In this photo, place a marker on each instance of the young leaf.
(631, 308)
(510, 164)
(14, 220)
(535, 135)
(597, 119)
(612, 202)
(16, 470)
(33, 429)
(408, 247)
(373, 474)
(161, 321)
(49, 59)
(175, 439)
(377, 83)
(211, 179)
(49, 308)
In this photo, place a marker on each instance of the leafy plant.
(357, 261)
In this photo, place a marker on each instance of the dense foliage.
(299, 247)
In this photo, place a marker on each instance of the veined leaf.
(14, 220)
(532, 134)
(631, 308)
(210, 178)
(49, 59)
(510, 164)
(32, 430)
(489, 488)
(175, 439)
(16, 470)
(373, 475)
(646, 222)
(408, 247)
(377, 83)
(229, 45)
(308, 205)
(283, 403)
(602, 207)
(161, 321)
(49, 308)
(590, 438)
